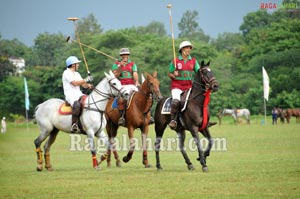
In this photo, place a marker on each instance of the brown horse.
(137, 116)
(292, 112)
(192, 118)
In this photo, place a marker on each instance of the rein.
(105, 95)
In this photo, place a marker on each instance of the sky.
(26, 19)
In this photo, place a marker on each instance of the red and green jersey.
(126, 76)
(186, 71)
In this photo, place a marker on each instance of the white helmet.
(184, 44)
(72, 60)
(3, 118)
(124, 51)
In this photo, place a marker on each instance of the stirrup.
(74, 127)
(151, 121)
(173, 124)
(121, 121)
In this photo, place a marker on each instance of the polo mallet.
(78, 41)
(169, 6)
(98, 51)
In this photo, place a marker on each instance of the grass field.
(259, 161)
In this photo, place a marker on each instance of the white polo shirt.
(72, 93)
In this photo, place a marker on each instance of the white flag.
(266, 83)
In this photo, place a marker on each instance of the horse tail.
(34, 118)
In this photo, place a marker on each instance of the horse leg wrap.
(95, 163)
(145, 158)
(48, 165)
(39, 154)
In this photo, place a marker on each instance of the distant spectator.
(274, 115)
(3, 125)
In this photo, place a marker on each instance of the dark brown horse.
(191, 118)
(137, 116)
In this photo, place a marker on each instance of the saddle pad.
(65, 109)
(166, 108)
(115, 103)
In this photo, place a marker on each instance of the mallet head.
(73, 18)
(169, 6)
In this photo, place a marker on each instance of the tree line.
(266, 39)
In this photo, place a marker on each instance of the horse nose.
(159, 97)
(125, 94)
(215, 86)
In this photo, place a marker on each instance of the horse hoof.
(119, 164)
(191, 167)
(108, 165)
(49, 169)
(205, 169)
(97, 168)
(39, 168)
(126, 159)
(148, 166)
(159, 168)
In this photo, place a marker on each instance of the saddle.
(66, 108)
(115, 104)
(166, 108)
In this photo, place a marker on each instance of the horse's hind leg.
(47, 147)
(37, 142)
(181, 136)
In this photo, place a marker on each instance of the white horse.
(93, 121)
(235, 113)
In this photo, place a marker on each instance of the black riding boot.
(75, 116)
(121, 106)
(175, 105)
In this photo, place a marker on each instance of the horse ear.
(202, 63)
(106, 74)
(111, 73)
(143, 78)
(208, 63)
(154, 74)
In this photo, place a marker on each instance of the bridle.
(103, 94)
(205, 83)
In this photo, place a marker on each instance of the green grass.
(261, 161)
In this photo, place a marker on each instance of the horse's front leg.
(90, 137)
(132, 145)
(144, 144)
(181, 137)
(207, 135)
(201, 158)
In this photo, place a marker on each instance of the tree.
(228, 41)
(88, 25)
(258, 19)
(154, 27)
(6, 68)
(189, 27)
(48, 49)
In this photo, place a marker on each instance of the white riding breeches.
(176, 93)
